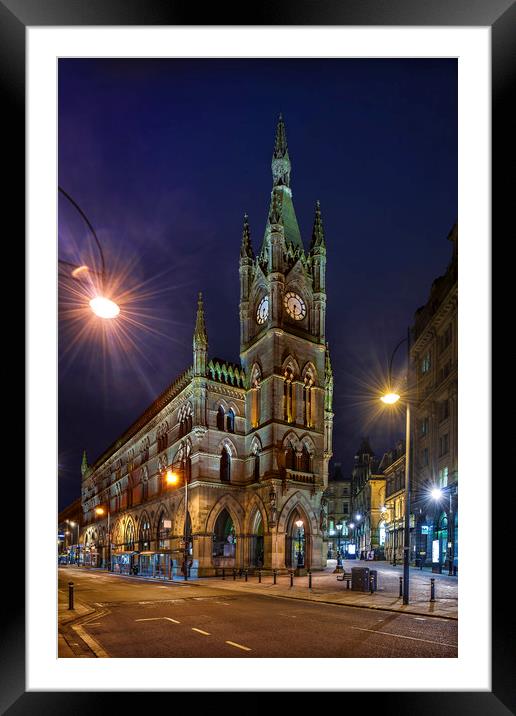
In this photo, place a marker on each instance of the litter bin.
(360, 579)
(373, 578)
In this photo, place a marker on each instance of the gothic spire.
(327, 363)
(84, 464)
(280, 159)
(246, 250)
(318, 231)
(200, 339)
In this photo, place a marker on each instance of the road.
(136, 618)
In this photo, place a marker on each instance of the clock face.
(263, 310)
(295, 306)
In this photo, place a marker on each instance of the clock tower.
(283, 347)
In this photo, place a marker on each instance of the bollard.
(70, 595)
(347, 583)
(274, 571)
(234, 574)
(401, 586)
(309, 579)
(245, 574)
(223, 573)
(432, 590)
(259, 576)
(291, 579)
(371, 584)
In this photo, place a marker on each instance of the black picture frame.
(500, 16)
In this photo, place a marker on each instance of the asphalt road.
(135, 618)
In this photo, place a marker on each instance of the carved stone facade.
(249, 443)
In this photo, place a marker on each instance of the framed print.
(236, 497)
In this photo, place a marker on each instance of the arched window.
(256, 465)
(225, 465)
(129, 536)
(307, 400)
(288, 396)
(145, 538)
(230, 421)
(290, 457)
(255, 397)
(220, 418)
(305, 461)
(185, 419)
(163, 531)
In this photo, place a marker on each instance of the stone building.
(249, 443)
(69, 523)
(368, 498)
(392, 527)
(336, 505)
(434, 350)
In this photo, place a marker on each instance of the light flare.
(104, 307)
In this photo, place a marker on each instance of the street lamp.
(390, 397)
(339, 526)
(101, 305)
(101, 511)
(73, 525)
(299, 524)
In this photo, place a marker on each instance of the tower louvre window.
(225, 465)
(288, 393)
(220, 418)
(307, 400)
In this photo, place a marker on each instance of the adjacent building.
(229, 464)
(337, 504)
(69, 523)
(433, 352)
(368, 501)
(392, 527)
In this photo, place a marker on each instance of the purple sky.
(165, 156)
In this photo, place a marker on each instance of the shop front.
(122, 562)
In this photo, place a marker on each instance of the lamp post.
(100, 511)
(390, 398)
(101, 306)
(339, 554)
(300, 562)
(73, 525)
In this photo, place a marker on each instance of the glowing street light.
(102, 306)
(436, 493)
(171, 478)
(390, 398)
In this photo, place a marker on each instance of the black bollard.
(245, 574)
(223, 573)
(309, 579)
(274, 572)
(234, 575)
(401, 586)
(70, 595)
(371, 584)
(259, 576)
(432, 590)
(291, 579)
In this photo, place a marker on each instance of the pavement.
(327, 589)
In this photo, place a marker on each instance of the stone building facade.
(337, 505)
(434, 368)
(245, 445)
(368, 498)
(392, 466)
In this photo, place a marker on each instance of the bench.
(344, 577)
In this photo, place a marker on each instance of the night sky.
(166, 156)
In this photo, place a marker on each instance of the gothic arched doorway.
(256, 555)
(224, 540)
(296, 547)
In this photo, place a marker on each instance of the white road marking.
(238, 646)
(419, 619)
(94, 646)
(172, 620)
(206, 633)
(156, 619)
(401, 636)
(99, 604)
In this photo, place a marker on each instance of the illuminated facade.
(434, 365)
(338, 508)
(392, 466)
(252, 440)
(368, 491)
